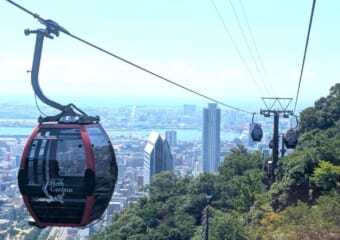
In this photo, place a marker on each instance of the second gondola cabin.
(291, 139)
(257, 133)
(67, 174)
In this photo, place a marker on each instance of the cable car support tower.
(276, 107)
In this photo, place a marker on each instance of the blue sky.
(184, 41)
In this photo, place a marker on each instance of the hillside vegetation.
(303, 203)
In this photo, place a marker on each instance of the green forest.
(236, 202)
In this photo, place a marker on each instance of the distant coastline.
(127, 100)
(109, 101)
(182, 134)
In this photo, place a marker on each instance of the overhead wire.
(236, 47)
(37, 106)
(248, 46)
(257, 52)
(305, 53)
(156, 75)
(46, 22)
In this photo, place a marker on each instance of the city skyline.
(130, 154)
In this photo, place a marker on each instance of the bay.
(185, 135)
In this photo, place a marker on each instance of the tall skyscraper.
(171, 137)
(211, 138)
(157, 156)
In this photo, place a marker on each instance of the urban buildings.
(157, 156)
(211, 138)
(129, 144)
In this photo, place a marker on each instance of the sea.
(184, 135)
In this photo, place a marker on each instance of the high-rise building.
(211, 138)
(171, 137)
(157, 156)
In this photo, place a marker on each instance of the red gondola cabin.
(68, 168)
(67, 174)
